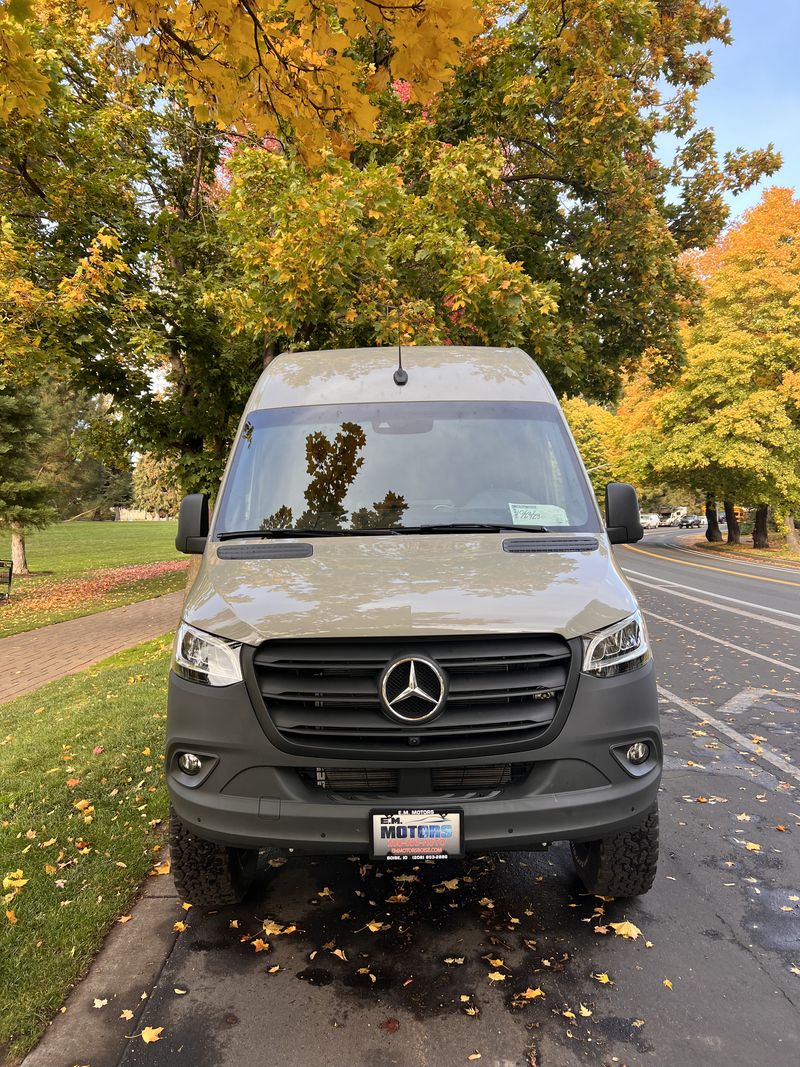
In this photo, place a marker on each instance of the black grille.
(425, 782)
(322, 694)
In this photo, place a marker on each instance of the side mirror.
(192, 523)
(623, 523)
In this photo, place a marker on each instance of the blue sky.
(755, 95)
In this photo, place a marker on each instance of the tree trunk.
(270, 352)
(18, 556)
(713, 532)
(792, 537)
(734, 530)
(760, 532)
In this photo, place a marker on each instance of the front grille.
(423, 783)
(321, 694)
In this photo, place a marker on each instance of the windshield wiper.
(306, 531)
(471, 527)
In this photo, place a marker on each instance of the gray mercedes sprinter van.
(406, 634)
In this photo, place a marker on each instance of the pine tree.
(24, 498)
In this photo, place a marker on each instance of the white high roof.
(358, 375)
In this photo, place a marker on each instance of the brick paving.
(31, 659)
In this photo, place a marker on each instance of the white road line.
(745, 700)
(721, 641)
(743, 742)
(665, 588)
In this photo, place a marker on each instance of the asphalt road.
(711, 979)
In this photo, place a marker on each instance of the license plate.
(416, 834)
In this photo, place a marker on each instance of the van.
(405, 634)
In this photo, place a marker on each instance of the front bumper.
(250, 794)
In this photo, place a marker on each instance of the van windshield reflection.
(404, 467)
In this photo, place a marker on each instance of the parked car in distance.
(691, 522)
(649, 521)
(671, 518)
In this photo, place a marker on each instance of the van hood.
(406, 585)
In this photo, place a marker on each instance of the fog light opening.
(189, 763)
(638, 753)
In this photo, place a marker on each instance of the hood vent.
(550, 544)
(267, 550)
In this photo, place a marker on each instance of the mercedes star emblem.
(413, 689)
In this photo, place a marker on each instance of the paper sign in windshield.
(538, 515)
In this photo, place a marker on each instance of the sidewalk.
(31, 659)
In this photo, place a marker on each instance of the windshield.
(362, 467)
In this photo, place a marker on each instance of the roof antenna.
(400, 376)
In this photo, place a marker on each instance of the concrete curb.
(740, 557)
(127, 966)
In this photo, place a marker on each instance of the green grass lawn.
(79, 568)
(82, 800)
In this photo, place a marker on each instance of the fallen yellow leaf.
(667, 983)
(14, 880)
(126, 1013)
(584, 1011)
(98, 1003)
(376, 926)
(474, 1055)
(273, 970)
(179, 992)
(531, 994)
(151, 1034)
(496, 976)
(340, 953)
(751, 846)
(179, 927)
(626, 929)
(602, 978)
(260, 945)
(11, 916)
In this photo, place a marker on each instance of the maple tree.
(729, 425)
(354, 256)
(109, 190)
(159, 260)
(582, 97)
(294, 68)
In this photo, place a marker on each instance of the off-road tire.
(623, 865)
(205, 872)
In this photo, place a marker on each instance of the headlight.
(206, 659)
(617, 649)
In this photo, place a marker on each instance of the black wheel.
(623, 865)
(208, 873)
